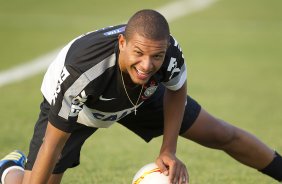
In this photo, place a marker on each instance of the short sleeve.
(174, 68)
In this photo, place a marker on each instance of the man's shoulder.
(113, 30)
(110, 32)
(174, 50)
(98, 37)
(174, 64)
(93, 47)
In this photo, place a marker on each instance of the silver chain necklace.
(134, 105)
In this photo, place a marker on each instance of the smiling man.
(135, 75)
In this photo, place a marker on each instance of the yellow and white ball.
(150, 174)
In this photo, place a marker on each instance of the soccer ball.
(150, 174)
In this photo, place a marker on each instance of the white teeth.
(141, 72)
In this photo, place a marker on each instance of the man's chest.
(116, 97)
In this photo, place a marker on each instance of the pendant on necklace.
(134, 105)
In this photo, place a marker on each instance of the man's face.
(141, 57)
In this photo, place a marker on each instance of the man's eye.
(158, 56)
(138, 53)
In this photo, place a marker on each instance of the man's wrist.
(168, 149)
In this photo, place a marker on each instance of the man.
(135, 75)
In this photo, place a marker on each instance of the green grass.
(31, 28)
(233, 54)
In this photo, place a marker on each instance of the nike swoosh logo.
(105, 99)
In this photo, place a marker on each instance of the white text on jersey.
(63, 77)
(172, 67)
(77, 104)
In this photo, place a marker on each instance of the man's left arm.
(174, 105)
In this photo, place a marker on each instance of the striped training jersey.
(83, 83)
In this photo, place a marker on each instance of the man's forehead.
(142, 42)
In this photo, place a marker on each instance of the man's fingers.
(187, 177)
(183, 177)
(162, 167)
(173, 174)
(174, 168)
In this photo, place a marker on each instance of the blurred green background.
(233, 51)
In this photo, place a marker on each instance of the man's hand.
(170, 165)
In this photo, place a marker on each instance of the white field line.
(177, 9)
(171, 11)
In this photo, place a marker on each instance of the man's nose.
(146, 63)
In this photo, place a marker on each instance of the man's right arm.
(48, 155)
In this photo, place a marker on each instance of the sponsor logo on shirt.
(105, 99)
(115, 31)
(172, 67)
(77, 104)
(64, 75)
(112, 116)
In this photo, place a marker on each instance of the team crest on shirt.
(149, 89)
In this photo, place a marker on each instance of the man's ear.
(121, 42)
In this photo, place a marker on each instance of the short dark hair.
(149, 24)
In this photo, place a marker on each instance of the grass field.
(233, 53)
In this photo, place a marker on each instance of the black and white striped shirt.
(83, 84)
